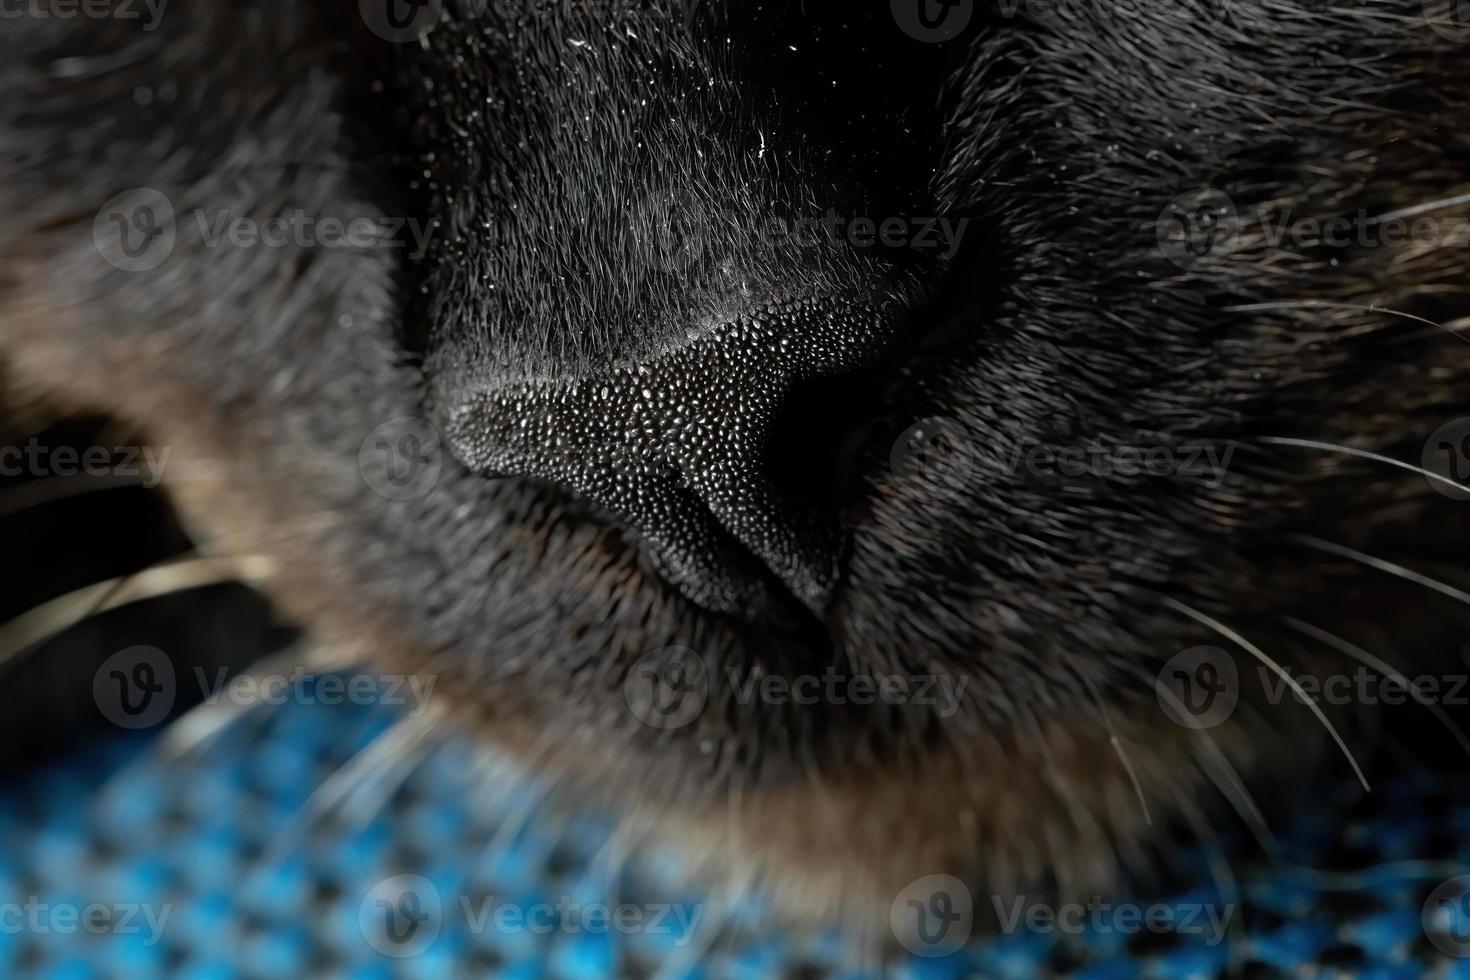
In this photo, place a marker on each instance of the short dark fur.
(551, 168)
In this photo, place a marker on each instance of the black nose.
(676, 444)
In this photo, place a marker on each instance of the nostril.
(818, 438)
(683, 446)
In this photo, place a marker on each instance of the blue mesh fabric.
(256, 854)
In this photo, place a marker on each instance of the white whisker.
(400, 738)
(1225, 778)
(1388, 567)
(1383, 667)
(60, 614)
(1117, 744)
(1452, 328)
(1279, 671)
(202, 724)
(1418, 209)
(1365, 454)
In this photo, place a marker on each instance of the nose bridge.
(675, 444)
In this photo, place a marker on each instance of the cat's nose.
(676, 444)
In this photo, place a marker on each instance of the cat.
(857, 444)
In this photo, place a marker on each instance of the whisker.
(687, 962)
(198, 727)
(1132, 777)
(57, 615)
(1279, 671)
(1383, 667)
(1365, 454)
(1452, 327)
(1226, 779)
(1399, 571)
(1425, 208)
(1117, 743)
(402, 736)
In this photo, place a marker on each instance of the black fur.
(549, 150)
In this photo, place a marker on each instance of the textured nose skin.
(675, 445)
